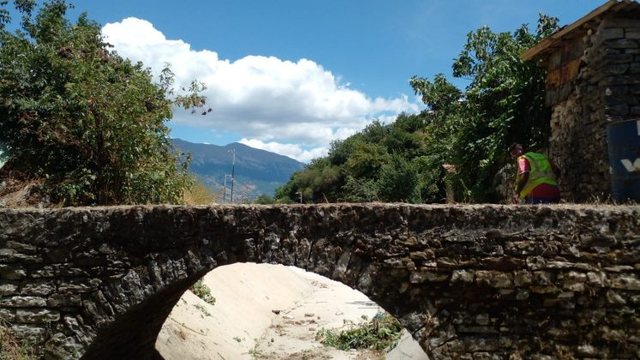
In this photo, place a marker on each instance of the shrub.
(203, 292)
(381, 332)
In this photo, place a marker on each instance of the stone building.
(593, 81)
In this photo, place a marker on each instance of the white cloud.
(291, 150)
(290, 107)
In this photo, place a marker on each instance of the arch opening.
(270, 312)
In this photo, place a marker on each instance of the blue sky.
(292, 76)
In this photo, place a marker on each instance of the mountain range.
(255, 171)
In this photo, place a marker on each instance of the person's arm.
(523, 176)
(521, 182)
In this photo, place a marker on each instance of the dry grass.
(199, 194)
(11, 348)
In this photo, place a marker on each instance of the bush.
(382, 332)
(88, 122)
(199, 194)
(203, 292)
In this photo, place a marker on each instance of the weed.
(256, 353)
(202, 309)
(11, 348)
(380, 333)
(203, 292)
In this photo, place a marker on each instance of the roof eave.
(557, 36)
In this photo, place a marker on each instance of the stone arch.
(465, 280)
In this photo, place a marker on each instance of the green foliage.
(468, 131)
(379, 164)
(504, 103)
(78, 115)
(264, 199)
(382, 332)
(203, 292)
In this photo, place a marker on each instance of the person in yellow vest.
(536, 180)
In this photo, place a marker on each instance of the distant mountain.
(256, 171)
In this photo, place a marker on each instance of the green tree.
(264, 199)
(503, 103)
(78, 115)
(468, 129)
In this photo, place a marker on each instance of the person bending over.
(536, 180)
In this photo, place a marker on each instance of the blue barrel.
(623, 138)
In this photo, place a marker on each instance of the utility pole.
(224, 187)
(233, 166)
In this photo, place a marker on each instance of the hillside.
(256, 171)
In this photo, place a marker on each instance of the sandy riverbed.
(268, 312)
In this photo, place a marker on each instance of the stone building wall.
(469, 282)
(597, 80)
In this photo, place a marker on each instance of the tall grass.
(11, 348)
(199, 194)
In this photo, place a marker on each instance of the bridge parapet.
(470, 282)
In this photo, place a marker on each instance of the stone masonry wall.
(469, 282)
(606, 88)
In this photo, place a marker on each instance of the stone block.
(21, 247)
(12, 256)
(64, 300)
(419, 277)
(471, 329)
(522, 295)
(624, 282)
(632, 34)
(573, 281)
(37, 316)
(587, 350)
(7, 315)
(616, 90)
(23, 301)
(422, 255)
(30, 333)
(619, 58)
(617, 69)
(614, 298)
(619, 268)
(617, 110)
(482, 319)
(76, 287)
(465, 276)
(38, 288)
(522, 278)
(610, 33)
(8, 289)
(622, 44)
(620, 22)
(494, 279)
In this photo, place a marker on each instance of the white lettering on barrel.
(631, 167)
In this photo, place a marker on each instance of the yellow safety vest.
(540, 172)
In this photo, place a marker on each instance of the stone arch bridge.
(469, 282)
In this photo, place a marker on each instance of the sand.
(269, 312)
